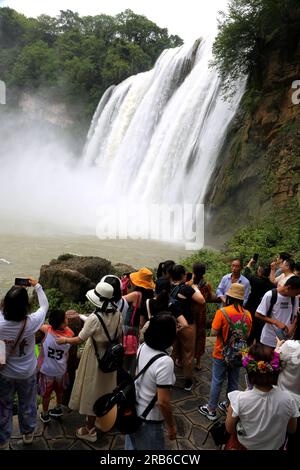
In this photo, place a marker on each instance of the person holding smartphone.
(18, 376)
(283, 314)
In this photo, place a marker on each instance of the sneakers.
(45, 417)
(56, 412)
(86, 434)
(28, 438)
(188, 385)
(223, 406)
(205, 411)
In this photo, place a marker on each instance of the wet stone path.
(192, 427)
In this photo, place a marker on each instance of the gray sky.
(189, 19)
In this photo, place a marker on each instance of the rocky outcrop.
(74, 275)
(259, 166)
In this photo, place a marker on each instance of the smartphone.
(281, 334)
(20, 281)
(255, 257)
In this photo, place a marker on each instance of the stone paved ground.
(191, 426)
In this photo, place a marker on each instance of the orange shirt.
(221, 324)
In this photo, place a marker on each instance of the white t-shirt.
(282, 311)
(289, 377)
(159, 374)
(55, 356)
(21, 364)
(263, 417)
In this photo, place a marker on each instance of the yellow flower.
(261, 366)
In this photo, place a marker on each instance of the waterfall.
(156, 137)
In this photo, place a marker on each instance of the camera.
(255, 257)
(19, 281)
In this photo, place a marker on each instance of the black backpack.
(124, 396)
(174, 303)
(112, 359)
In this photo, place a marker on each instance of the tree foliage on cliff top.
(245, 31)
(77, 58)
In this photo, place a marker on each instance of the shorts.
(47, 385)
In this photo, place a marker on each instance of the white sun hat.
(102, 292)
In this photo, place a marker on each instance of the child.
(52, 364)
(259, 419)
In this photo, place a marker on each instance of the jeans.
(219, 372)
(149, 436)
(27, 407)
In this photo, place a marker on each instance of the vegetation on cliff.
(245, 32)
(77, 58)
(257, 179)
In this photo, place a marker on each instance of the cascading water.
(156, 137)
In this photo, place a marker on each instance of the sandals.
(86, 434)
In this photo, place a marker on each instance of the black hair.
(161, 332)
(291, 264)
(262, 353)
(177, 272)
(235, 302)
(266, 270)
(15, 305)
(293, 282)
(164, 268)
(237, 259)
(115, 283)
(160, 303)
(146, 293)
(284, 256)
(56, 318)
(297, 266)
(198, 271)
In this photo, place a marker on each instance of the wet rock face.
(73, 276)
(259, 164)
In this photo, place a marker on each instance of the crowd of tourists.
(162, 323)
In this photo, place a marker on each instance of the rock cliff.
(259, 166)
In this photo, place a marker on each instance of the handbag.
(130, 335)
(219, 433)
(4, 354)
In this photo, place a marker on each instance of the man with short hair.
(234, 277)
(283, 256)
(287, 270)
(283, 316)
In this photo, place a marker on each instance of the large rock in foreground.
(73, 275)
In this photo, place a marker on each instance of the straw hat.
(107, 421)
(236, 291)
(102, 292)
(143, 278)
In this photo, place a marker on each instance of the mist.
(44, 187)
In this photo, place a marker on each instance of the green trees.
(77, 57)
(244, 33)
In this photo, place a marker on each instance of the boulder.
(74, 275)
(121, 268)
